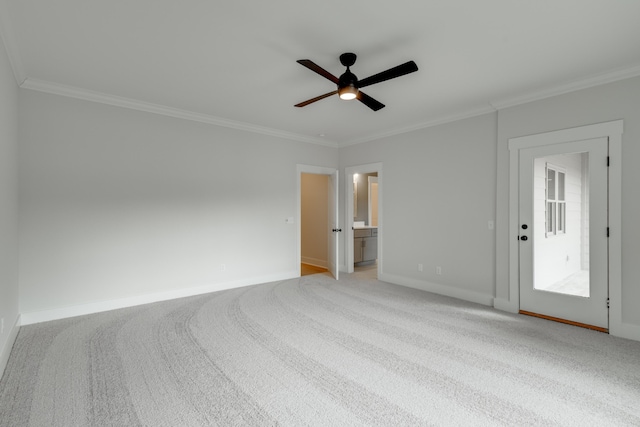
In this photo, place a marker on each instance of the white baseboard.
(625, 330)
(506, 305)
(8, 345)
(315, 262)
(616, 329)
(436, 288)
(97, 307)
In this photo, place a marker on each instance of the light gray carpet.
(313, 351)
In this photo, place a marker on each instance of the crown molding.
(10, 45)
(478, 111)
(133, 104)
(586, 83)
(490, 107)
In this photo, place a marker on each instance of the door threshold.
(568, 322)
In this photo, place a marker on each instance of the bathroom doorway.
(364, 233)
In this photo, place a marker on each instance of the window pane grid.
(555, 201)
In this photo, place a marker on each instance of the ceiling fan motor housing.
(347, 79)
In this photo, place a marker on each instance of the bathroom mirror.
(365, 198)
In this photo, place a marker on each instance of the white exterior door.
(334, 229)
(563, 228)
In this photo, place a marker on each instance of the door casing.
(589, 311)
(613, 131)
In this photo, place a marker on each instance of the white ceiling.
(234, 62)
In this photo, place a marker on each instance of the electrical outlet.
(491, 225)
(438, 270)
(223, 267)
(420, 267)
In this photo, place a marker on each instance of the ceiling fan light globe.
(348, 96)
(348, 93)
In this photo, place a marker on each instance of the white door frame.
(611, 130)
(348, 235)
(589, 310)
(317, 170)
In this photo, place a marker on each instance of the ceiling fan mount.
(348, 59)
(348, 85)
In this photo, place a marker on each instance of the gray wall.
(441, 186)
(438, 189)
(117, 204)
(8, 203)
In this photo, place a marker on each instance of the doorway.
(603, 191)
(563, 232)
(313, 224)
(364, 220)
(317, 199)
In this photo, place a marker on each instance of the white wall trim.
(506, 305)
(450, 118)
(489, 107)
(439, 289)
(613, 131)
(627, 330)
(499, 104)
(580, 133)
(5, 352)
(133, 104)
(100, 306)
(6, 34)
(322, 263)
(573, 86)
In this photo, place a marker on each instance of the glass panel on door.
(561, 218)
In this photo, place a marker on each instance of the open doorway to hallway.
(332, 227)
(313, 223)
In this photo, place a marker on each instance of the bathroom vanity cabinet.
(365, 244)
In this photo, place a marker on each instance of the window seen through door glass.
(551, 184)
(556, 204)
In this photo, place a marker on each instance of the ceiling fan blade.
(317, 98)
(318, 69)
(369, 101)
(391, 73)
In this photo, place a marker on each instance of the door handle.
(337, 230)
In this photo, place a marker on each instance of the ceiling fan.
(348, 84)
